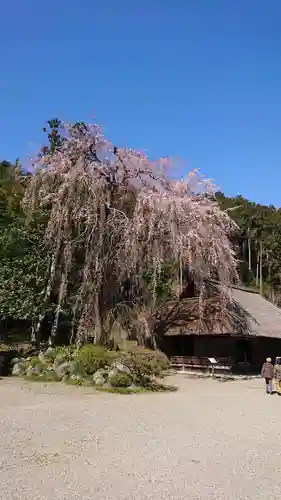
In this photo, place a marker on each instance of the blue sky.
(199, 79)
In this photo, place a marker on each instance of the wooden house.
(238, 346)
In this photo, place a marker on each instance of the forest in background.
(258, 244)
(24, 259)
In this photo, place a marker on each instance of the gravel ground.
(210, 440)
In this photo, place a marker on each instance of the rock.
(74, 368)
(120, 367)
(38, 369)
(15, 361)
(30, 371)
(47, 356)
(42, 358)
(112, 373)
(50, 353)
(17, 369)
(59, 359)
(62, 370)
(98, 378)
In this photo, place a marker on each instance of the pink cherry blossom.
(114, 213)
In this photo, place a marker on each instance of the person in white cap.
(267, 372)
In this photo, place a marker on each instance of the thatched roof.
(246, 314)
(265, 317)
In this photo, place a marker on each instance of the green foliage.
(121, 380)
(145, 365)
(54, 137)
(161, 287)
(123, 390)
(154, 387)
(93, 358)
(23, 263)
(43, 377)
(65, 353)
(77, 366)
(23, 258)
(258, 238)
(35, 362)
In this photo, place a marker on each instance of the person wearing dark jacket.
(267, 372)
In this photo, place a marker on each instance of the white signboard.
(213, 361)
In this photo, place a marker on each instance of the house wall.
(198, 345)
(263, 347)
(251, 350)
(212, 346)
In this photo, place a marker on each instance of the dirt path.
(209, 440)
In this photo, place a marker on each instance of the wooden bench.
(200, 363)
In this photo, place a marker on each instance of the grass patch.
(80, 382)
(122, 390)
(45, 377)
(162, 388)
(138, 390)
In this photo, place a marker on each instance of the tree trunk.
(181, 282)
(98, 321)
(36, 332)
(261, 283)
(257, 270)
(249, 252)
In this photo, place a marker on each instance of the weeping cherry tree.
(113, 213)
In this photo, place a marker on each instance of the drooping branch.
(113, 214)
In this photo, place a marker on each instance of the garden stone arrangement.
(128, 371)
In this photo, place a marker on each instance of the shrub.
(64, 354)
(94, 358)
(145, 364)
(77, 368)
(62, 370)
(96, 365)
(120, 380)
(34, 361)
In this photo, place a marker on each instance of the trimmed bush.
(94, 358)
(145, 365)
(120, 379)
(64, 354)
(77, 368)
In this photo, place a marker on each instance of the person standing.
(277, 375)
(267, 372)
